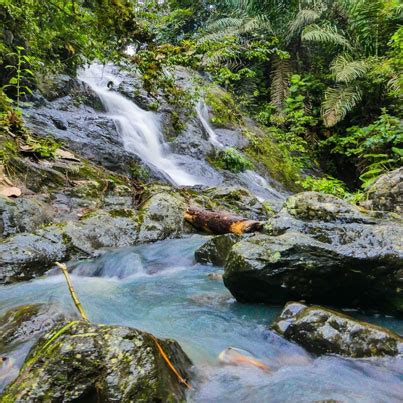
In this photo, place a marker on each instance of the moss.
(224, 111)
(127, 213)
(230, 160)
(278, 161)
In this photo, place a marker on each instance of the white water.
(140, 130)
(202, 113)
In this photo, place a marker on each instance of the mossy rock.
(216, 250)
(325, 331)
(78, 361)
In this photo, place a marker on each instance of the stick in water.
(73, 294)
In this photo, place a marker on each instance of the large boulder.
(83, 362)
(324, 207)
(386, 194)
(325, 331)
(161, 216)
(20, 327)
(101, 229)
(365, 271)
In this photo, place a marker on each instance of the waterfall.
(139, 129)
(202, 113)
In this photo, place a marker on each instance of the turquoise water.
(159, 288)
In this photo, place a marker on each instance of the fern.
(346, 70)
(280, 79)
(324, 34)
(302, 19)
(338, 102)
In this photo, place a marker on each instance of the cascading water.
(202, 113)
(139, 129)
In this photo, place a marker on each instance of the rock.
(79, 361)
(324, 207)
(363, 272)
(113, 229)
(22, 215)
(25, 322)
(386, 194)
(215, 251)
(25, 256)
(325, 331)
(161, 217)
(20, 327)
(237, 200)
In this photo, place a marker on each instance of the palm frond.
(346, 70)
(324, 34)
(302, 19)
(338, 102)
(280, 79)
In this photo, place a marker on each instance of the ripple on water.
(159, 288)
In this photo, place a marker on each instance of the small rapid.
(139, 129)
(160, 289)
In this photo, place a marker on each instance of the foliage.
(231, 160)
(327, 185)
(43, 147)
(224, 112)
(376, 147)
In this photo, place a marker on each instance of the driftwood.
(221, 222)
(73, 294)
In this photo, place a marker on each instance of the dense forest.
(322, 78)
(201, 200)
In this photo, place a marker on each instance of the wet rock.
(386, 194)
(234, 199)
(22, 215)
(161, 217)
(79, 361)
(215, 251)
(324, 207)
(25, 256)
(113, 229)
(364, 272)
(325, 331)
(25, 322)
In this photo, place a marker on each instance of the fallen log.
(221, 222)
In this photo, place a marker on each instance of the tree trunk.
(221, 222)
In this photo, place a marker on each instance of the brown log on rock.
(222, 222)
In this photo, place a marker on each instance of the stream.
(159, 288)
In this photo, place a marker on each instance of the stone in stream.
(79, 361)
(19, 328)
(341, 258)
(325, 331)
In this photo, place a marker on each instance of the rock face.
(82, 362)
(324, 331)
(386, 194)
(339, 262)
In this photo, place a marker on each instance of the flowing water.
(139, 129)
(159, 288)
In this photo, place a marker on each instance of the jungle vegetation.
(324, 77)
